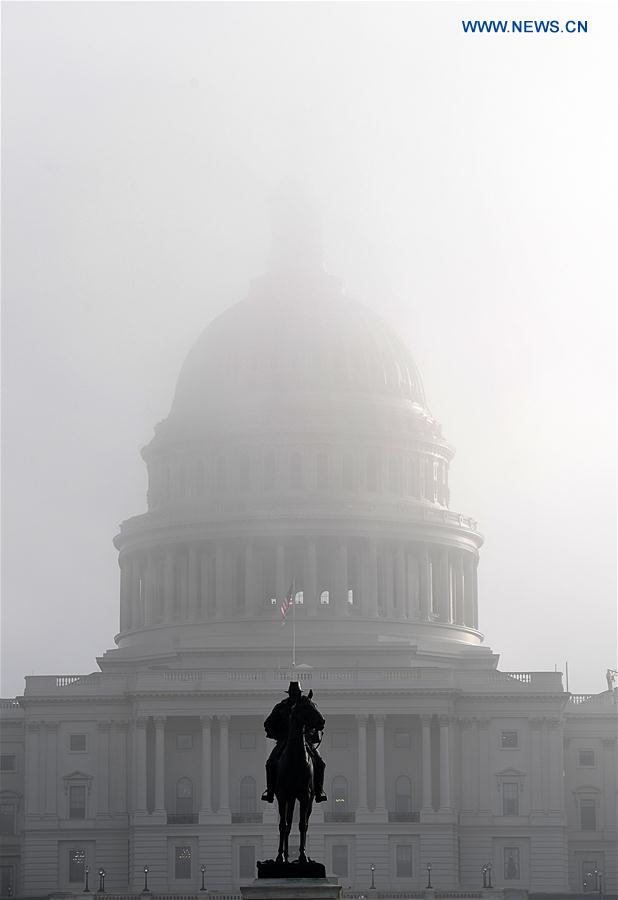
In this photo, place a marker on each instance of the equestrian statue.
(294, 769)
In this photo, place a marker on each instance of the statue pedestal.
(292, 889)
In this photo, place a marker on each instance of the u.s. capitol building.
(300, 450)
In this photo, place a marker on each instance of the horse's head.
(304, 713)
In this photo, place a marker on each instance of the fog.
(466, 188)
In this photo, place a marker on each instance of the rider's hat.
(294, 689)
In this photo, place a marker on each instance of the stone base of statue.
(291, 881)
(271, 869)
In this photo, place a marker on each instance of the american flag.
(287, 603)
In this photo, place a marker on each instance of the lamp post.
(484, 874)
(146, 888)
(102, 874)
(86, 888)
(203, 871)
(373, 886)
(489, 884)
(429, 885)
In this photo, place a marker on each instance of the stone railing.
(604, 699)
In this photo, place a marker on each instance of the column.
(466, 758)
(444, 597)
(370, 600)
(206, 764)
(250, 592)
(484, 768)
(159, 781)
(380, 771)
(168, 586)
(135, 617)
(458, 582)
(219, 580)
(609, 783)
(312, 601)
(536, 793)
(426, 760)
(125, 593)
(224, 764)
(51, 779)
(426, 585)
(401, 599)
(33, 775)
(556, 766)
(139, 765)
(341, 579)
(103, 729)
(280, 585)
(118, 785)
(361, 724)
(183, 584)
(193, 583)
(445, 772)
(150, 592)
(468, 591)
(204, 582)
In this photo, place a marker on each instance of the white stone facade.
(300, 450)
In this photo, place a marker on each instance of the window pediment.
(77, 778)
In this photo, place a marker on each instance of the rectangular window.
(8, 762)
(246, 861)
(588, 815)
(586, 758)
(77, 864)
(184, 742)
(340, 860)
(402, 740)
(182, 862)
(339, 740)
(511, 864)
(77, 743)
(77, 801)
(7, 818)
(403, 860)
(247, 740)
(509, 740)
(510, 798)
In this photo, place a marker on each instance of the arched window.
(339, 795)
(403, 794)
(184, 796)
(324, 598)
(247, 795)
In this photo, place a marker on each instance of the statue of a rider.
(276, 726)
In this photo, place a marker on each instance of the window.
(339, 793)
(246, 861)
(295, 471)
(8, 762)
(511, 864)
(77, 864)
(351, 597)
(299, 598)
(586, 758)
(322, 472)
(403, 794)
(324, 598)
(184, 742)
(247, 740)
(402, 740)
(182, 862)
(339, 740)
(403, 860)
(7, 818)
(340, 860)
(77, 743)
(77, 801)
(184, 796)
(588, 815)
(247, 795)
(509, 740)
(510, 798)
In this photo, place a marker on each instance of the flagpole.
(293, 624)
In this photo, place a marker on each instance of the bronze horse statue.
(295, 775)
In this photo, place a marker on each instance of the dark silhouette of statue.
(295, 769)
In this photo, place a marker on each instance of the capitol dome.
(299, 451)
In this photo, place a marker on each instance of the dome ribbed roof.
(296, 340)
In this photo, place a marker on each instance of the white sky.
(467, 185)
